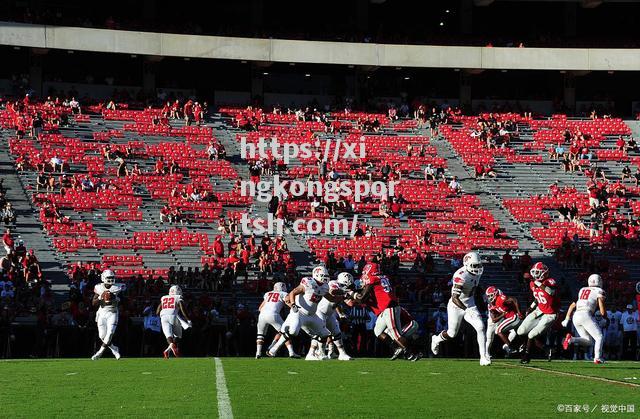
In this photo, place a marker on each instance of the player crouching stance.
(377, 294)
(270, 309)
(543, 310)
(170, 309)
(106, 296)
(462, 305)
(327, 312)
(303, 301)
(504, 316)
(589, 298)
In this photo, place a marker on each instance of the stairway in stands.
(28, 228)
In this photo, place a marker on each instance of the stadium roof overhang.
(316, 52)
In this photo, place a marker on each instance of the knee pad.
(260, 337)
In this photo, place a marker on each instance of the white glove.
(190, 323)
(565, 323)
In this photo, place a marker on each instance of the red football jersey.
(382, 295)
(501, 305)
(547, 303)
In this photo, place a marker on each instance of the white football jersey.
(114, 290)
(273, 302)
(313, 292)
(170, 305)
(588, 298)
(325, 306)
(468, 282)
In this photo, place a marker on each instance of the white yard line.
(570, 374)
(224, 403)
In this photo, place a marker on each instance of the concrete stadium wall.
(280, 50)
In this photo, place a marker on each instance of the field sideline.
(294, 388)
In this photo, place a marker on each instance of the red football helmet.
(369, 272)
(492, 293)
(539, 271)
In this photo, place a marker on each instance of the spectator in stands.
(7, 241)
(349, 264)
(594, 195)
(454, 185)
(212, 151)
(75, 106)
(636, 176)
(507, 261)
(37, 125)
(122, 167)
(87, 184)
(383, 209)
(626, 173)
(525, 261)
(429, 173)
(32, 271)
(7, 214)
(620, 143)
(632, 145)
(165, 214)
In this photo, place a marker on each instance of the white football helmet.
(472, 263)
(108, 277)
(539, 271)
(280, 287)
(594, 280)
(175, 290)
(345, 279)
(320, 274)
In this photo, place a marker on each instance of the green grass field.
(295, 388)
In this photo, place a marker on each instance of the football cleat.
(434, 345)
(258, 356)
(485, 361)
(272, 355)
(292, 356)
(344, 357)
(566, 342)
(397, 354)
(165, 354)
(96, 356)
(598, 361)
(115, 351)
(525, 358)
(312, 357)
(415, 356)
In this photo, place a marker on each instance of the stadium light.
(307, 75)
(407, 78)
(265, 73)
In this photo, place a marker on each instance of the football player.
(270, 308)
(543, 310)
(106, 297)
(590, 298)
(327, 311)
(170, 310)
(504, 315)
(378, 295)
(462, 305)
(303, 301)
